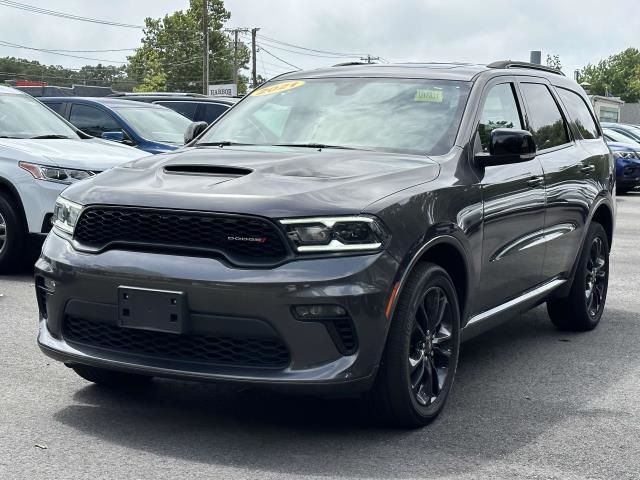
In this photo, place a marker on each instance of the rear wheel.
(12, 236)
(421, 356)
(110, 378)
(582, 309)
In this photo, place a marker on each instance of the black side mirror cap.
(194, 130)
(508, 145)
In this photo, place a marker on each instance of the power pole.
(205, 49)
(369, 59)
(253, 57)
(236, 31)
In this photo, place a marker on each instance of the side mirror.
(508, 145)
(194, 130)
(117, 136)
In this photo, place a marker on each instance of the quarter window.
(547, 125)
(500, 110)
(580, 114)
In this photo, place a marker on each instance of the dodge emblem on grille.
(247, 239)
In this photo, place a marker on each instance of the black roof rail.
(532, 66)
(348, 64)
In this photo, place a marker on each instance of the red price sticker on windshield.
(277, 88)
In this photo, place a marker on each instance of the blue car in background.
(627, 159)
(149, 127)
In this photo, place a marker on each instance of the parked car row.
(624, 142)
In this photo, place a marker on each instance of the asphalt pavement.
(529, 402)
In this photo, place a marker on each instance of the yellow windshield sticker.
(429, 95)
(278, 88)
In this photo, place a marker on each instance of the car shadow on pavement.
(514, 383)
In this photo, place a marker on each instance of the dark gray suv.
(340, 230)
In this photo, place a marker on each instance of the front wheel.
(12, 236)
(582, 309)
(421, 355)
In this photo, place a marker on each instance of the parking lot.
(529, 402)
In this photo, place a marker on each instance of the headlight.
(624, 155)
(65, 215)
(335, 234)
(55, 174)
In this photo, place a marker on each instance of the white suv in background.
(40, 155)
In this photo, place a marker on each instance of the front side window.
(547, 125)
(410, 115)
(213, 110)
(580, 114)
(500, 110)
(92, 120)
(186, 109)
(23, 117)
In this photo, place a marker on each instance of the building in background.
(630, 113)
(607, 108)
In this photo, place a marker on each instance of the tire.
(400, 395)
(110, 378)
(581, 310)
(12, 236)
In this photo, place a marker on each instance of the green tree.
(553, 61)
(170, 58)
(617, 75)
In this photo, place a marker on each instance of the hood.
(267, 181)
(89, 154)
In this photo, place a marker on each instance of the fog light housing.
(319, 312)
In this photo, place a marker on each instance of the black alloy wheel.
(596, 277)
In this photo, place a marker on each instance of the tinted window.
(580, 114)
(212, 111)
(546, 122)
(93, 121)
(500, 110)
(186, 109)
(56, 107)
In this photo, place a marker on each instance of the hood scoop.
(207, 170)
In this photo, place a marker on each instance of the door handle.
(535, 181)
(588, 169)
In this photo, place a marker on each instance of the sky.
(579, 31)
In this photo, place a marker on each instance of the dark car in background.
(626, 153)
(339, 231)
(149, 127)
(197, 108)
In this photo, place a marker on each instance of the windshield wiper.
(50, 136)
(319, 146)
(222, 143)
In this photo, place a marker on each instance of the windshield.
(156, 124)
(23, 117)
(619, 137)
(409, 115)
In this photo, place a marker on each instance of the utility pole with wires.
(205, 49)
(254, 74)
(369, 59)
(235, 32)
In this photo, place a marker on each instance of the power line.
(69, 16)
(339, 54)
(270, 45)
(278, 58)
(44, 50)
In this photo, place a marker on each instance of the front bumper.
(222, 300)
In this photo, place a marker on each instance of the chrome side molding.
(530, 295)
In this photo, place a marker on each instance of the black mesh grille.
(242, 352)
(242, 240)
(346, 334)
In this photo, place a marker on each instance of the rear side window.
(213, 110)
(56, 107)
(93, 121)
(187, 109)
(500, 110)
(580, 114)
(547, 125)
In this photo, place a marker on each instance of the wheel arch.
(9, 190)
(448, 252)
(603, 214)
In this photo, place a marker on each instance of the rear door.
(568, 171)
(93, 121)
(513, 204)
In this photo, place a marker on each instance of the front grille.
(240, 239)
(241, 352)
